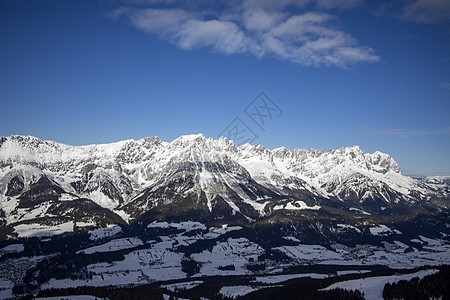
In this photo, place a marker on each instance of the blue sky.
(343, 72)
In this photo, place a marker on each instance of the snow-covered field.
(13, 248)
(114, 245)
(383, 230)
(6, 288)
(235, 291)
(218, 231)
(187, 226)
(38, 230)
(372, 287)
(280, 278)
(309, 253)
(235, 252)
(108, 231)
(181, 286)
(393, 255)
(161, 260)
(347, 272)
(435, 252)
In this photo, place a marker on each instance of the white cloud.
(163, 22)
(224, 37)
(446, 85)
(271, 5)
(339, 4)
(301, 27)
(260, 20)
(427, 11)
(309, 39)
(416, 11)
(261, 28)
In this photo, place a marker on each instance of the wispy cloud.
(339, 4)
(261, 28)
(427, 11)
(411, 133)
(416, 11)
(446, 85)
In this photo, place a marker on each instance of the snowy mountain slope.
(198, 175)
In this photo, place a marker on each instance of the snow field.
(182, 286)
(38, 230)
(372, 287)
(236, 252)
(281, 278)
(13, 248)
(236, 291)
(114, 245)
(100, 233)
(309, 252)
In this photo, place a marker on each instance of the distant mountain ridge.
(198, 177)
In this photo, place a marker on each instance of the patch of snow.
(236, 291)
(123, 215)
(216, 231)
(100, 233)
(359, 211)
(85, 224)
(430, 242)
(233, 206)
(347, 272)
(205, 177)
(349, 226)
(309, 252)
(296, 205)
(114, 245)
(156, 224)
(417, 241)
(187, 226)
(282, 278)
(259, 207)
(113, 278)
(14, 248)
(182, 286)
(383, 230)
(102, 200)
(38, 230)
(6, 287)
(401, 245)
(237, 252)
(372, 287)
(291, 238)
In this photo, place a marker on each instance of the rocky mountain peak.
(134, 176)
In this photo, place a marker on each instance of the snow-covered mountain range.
(181, 214)
(198, 177)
